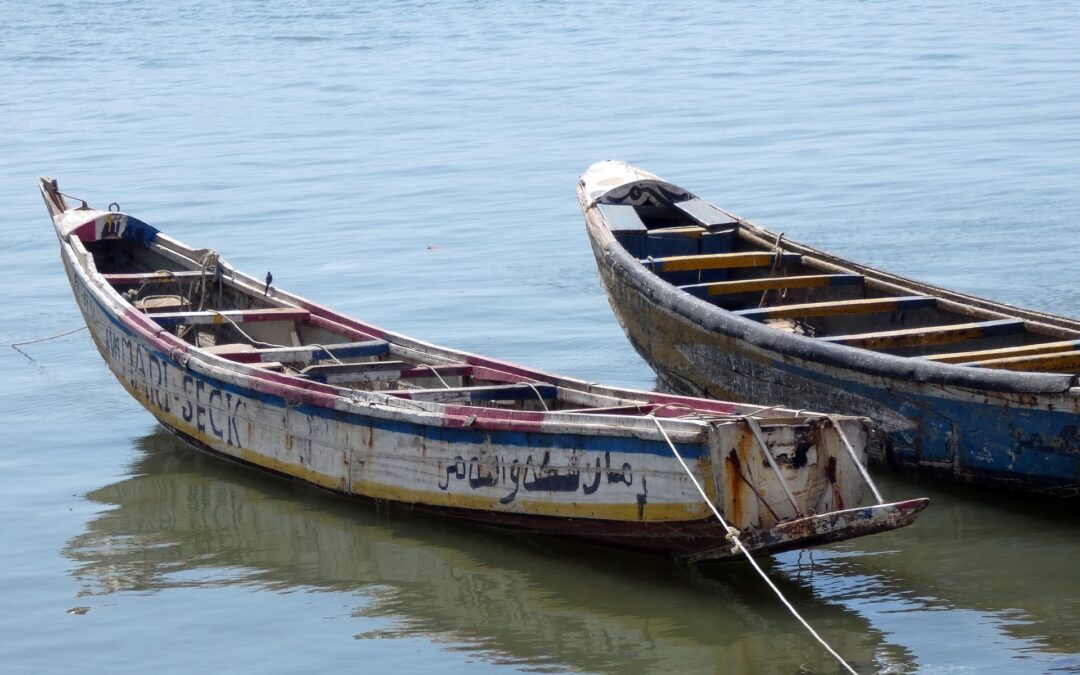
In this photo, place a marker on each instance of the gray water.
(414, 164)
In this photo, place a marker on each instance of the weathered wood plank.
(372, 371)
(1057, 362)
(621, 217)
(705, 213)
(496, 392)
(771, 284)
(690, 231)
(1005, 352)
(214, 317)
(160, 277)
(839, 307)
(718, 261)
(245, 353)
(929, 335)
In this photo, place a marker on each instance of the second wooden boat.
(236, 366)
(965, 388)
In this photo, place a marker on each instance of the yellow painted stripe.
(1060, 362)
(912, 337)
(837, 308)
(1005, 352)
(769, 284)
(690, 231)
(716, 261)
(695, 509)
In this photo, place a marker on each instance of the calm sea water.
(414, 164)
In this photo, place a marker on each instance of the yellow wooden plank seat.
(718, 261)
(1057, 362)
(929, 335)
(839, 307)
(716, 288)
(1005, 352)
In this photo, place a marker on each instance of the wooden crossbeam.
(244, 353)
(1057, 362)
(929, 335)
(691, 231)
(718, 261)
(838, 307)
(771, 284)
(160, 277)
(208, 318)
(372, 371)
(495, 392)
(1005, 352)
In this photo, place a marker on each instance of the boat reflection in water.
(1000, 581)
(187, 520)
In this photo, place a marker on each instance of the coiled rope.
(733, 537)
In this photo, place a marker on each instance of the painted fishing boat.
(962, 387)
(238, 367)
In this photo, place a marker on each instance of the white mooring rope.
(733, 536)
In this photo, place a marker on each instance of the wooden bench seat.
(1006, 352)
(213, 317)
(929, 335)
(495, 392)
(245, 353)
(771, 284)
(1056, 362)
(371, 371)
(839, 307)
(691, 231)
(159, 277)
(718, 261)
(705, 213)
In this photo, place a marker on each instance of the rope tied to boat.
(737, 546)
(16, 345)
(434, 372)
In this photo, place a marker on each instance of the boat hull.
(1017, 431)
(637, 470)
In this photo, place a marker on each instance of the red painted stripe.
(240, 357)
(445, 371)
(504, 367)
(86, 231)
(341, 329)
(486, 373)
(492, 419)
(340, 320)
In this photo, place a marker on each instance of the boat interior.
(201, 301)
(707, 253)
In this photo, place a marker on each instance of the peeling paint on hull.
(590, 473)
(1011, 430)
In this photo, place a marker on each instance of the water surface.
(414, 164)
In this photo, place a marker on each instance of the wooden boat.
(241, 368)
(964, 388)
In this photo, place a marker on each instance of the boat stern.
(815, 530)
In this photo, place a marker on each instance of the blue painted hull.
(990, 427)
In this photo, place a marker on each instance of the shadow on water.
(184, 519)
